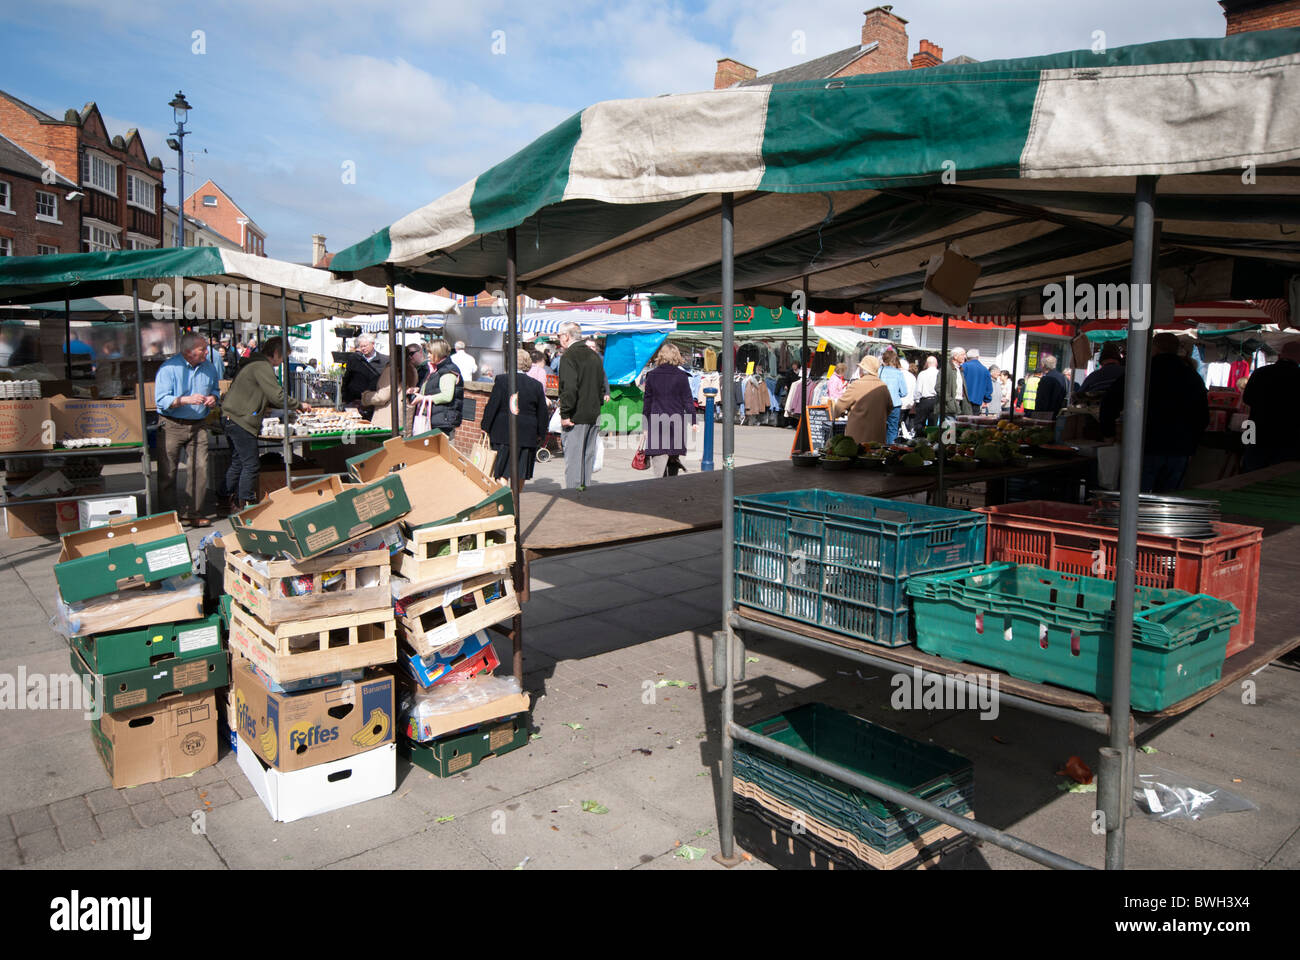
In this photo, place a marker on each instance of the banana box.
(293, 731)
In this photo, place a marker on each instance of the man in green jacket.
(254, 391)
(582, 393)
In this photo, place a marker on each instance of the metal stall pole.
(139, 394)
(399, 428)
(726, 827)
(286, 448)
(393, 412)
(512, 385)
(67, 337)
(1015, 363)
(803, 365)
(1130, 488)
(941, 493)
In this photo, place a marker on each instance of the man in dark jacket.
(978, 381)
(1177, 410)
(582, 392)
(1053, 390)
(361, 372)
(1273, 395)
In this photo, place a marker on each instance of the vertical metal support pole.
(1015, 363)
(399, 427)
(145, 466)
(1135, 388)
(67, 337)
(512, 387)
(803, 356)
(286, 449)
(726, 826)
(941, 491)
(393, 411)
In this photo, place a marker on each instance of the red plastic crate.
(1059, 536)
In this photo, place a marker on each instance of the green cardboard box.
(133, 688)
(312, 519)
(95, 562)
(430, 462)
(457, 752)
(137, 649)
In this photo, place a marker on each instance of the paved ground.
(603, 626)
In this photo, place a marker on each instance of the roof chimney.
(731, 72)
(317, 249)
(928, 55)
(882, 26)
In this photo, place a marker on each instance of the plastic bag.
(555, 426)
(1164, 795)
(126, 608)
(600, 454)
(416, 708)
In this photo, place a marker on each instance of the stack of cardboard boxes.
(150, 661)
(452, 581)
(311, 621)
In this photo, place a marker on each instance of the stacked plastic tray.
(1049, 627)
(841, 562)
(881, 833)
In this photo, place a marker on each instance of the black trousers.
(241, 478)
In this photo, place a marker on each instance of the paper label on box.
(470, 558)
(443, 635)
(322, 538)
(199, 639)
(460, 762)
(190, 674)
(164, 558)
(371, 504)
(452, 593)
(501, 736)
(129, 699)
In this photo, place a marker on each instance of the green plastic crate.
(1048, 627)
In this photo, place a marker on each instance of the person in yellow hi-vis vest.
(1031, 392)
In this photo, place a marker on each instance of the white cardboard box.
(102, 510)
(322, 788)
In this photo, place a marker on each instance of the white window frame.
(107, 230)
(46, 250)
(213, 197)
(45, 217)
(138, 241)
(6, 247)
(88, 161)
(136, 184)
(8, 205)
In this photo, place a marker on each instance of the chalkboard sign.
(815, 430)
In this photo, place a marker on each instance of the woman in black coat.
(669, 410)
(533, 419)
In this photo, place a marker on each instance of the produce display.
(1007, 444)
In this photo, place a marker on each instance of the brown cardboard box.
(158, 741)
(32, 520)
(23, 426)
(117, 419)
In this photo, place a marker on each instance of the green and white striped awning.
(1028, 166)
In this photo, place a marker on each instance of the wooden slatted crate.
(297, 650)
(431, 621)
(258, 586)
(457, 551)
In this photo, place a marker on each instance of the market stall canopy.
(595, 323)
(1028, 166)
(111, 307)
(435, 321)
(201, 281)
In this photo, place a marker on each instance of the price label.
(749, 368)
(830, 371)
(821, 346)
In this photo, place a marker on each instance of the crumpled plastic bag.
(118, 611)
(416, 708)
(1165, 795)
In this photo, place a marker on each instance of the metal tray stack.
(1163, 516)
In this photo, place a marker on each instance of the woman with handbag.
(531, 429)
(440, 404)
(668, 403)
(380, 399)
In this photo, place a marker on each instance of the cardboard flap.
(312, 519)
(93, 562)
(116, 533)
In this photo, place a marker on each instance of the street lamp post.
(180, 112)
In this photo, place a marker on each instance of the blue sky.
(410, 91)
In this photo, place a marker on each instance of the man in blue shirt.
(979, 383)
(185, 390)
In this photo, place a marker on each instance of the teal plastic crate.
(924, 770)
(1048, 627)
(841, 562)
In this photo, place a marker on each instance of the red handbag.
(639, 460)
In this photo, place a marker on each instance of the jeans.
(891, 425)
(1161, 474)
(580, 442)
(241, 478)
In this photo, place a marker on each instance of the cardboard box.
(322, 788)
(141, 648)
(151, 684)
(77, 419)
(31, 520)
(450, 755)
(161, 740)
(292, 731)
(102, 510)
(95, 562)
(26, 425)
(431, 727)
(168, 601)
(312, 519)
(68, 512)
(460, 661)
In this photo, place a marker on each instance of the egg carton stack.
(149, 661)
(20, 389)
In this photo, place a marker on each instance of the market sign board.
(690, 316)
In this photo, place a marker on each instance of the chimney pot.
(317, 248)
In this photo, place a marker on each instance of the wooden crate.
(470, 547)
(298, 650)
(429, 622)
(366, 585)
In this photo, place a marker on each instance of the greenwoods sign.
(688, 316)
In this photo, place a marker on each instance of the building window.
(96, 238)
(99, 172)
(45, 250)
(189, 238)
(136, 241)
(6, 247)
(6, 193)
(47, 206)
(140, 192)
(209, 199)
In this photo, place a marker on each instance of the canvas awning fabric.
(594, 323)
(411, 324)
(201, 281)
(1028, 166)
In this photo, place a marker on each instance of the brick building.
(121, 185)
(883, 48)
(1244, 16)
(219, 211)
(36, 216)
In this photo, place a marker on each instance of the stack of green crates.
(1049, 627)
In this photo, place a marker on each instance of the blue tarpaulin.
(626, 354)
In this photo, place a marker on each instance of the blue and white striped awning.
(594, 323)
(433, 321)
